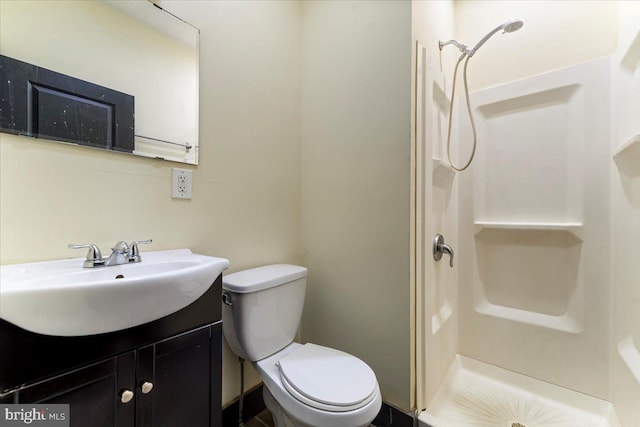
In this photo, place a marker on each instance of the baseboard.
(389, 416)
(253, 404)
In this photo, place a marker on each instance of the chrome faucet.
(121, 253)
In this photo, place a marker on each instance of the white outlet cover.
(181, 183)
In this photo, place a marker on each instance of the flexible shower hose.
(473, 125)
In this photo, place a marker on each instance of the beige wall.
(556, 34)
(355, 183)
(246, 191)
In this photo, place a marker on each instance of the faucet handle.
(439, 248)
(94, 256)
(134, 252)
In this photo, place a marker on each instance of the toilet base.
(280, 417)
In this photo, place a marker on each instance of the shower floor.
(475, 394)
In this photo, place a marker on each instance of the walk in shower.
(538, 322)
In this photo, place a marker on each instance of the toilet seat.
(327, 379)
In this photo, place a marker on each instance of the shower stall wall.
(625, 217)
(538, 323)
(534, 272)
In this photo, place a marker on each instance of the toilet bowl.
(315, 395)
(305, 384)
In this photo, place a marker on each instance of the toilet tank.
(261, 309)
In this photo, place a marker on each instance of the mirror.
(133, 47)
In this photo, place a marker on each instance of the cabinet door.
(184, 372)
(93, 393)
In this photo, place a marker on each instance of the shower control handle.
(439, 248)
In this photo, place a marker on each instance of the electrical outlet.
(181, 183)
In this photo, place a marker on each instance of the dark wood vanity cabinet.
(177, 375)
(92, 393)
(182, 371)
(173, 381)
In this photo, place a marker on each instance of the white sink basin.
(62, 298)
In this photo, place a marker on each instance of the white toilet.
(306, 384)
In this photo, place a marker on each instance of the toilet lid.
(327, 379)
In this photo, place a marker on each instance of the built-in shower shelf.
(443, 173)
(627, 157)
(574, 228)
(631, 356)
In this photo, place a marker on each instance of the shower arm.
(462, 47)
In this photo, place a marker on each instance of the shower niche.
(627, 157)
(530, 275)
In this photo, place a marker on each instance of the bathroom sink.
(62, 298)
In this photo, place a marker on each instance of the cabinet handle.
(126, 396)
(146, 387)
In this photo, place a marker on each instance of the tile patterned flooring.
(263, 419)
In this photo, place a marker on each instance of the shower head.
(507, 27)
(511, 26)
